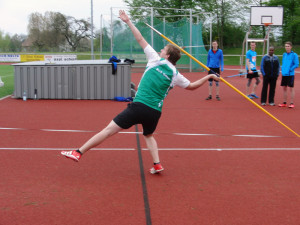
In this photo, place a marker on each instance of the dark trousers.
(270, 82)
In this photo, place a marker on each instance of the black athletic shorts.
(287, 81)
(216, 70)
(252, 75)
(138, 113)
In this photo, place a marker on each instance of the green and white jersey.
(158, 79)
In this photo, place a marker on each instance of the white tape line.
(68, 149)
(181, 134)
(250, 135)
(5, 97)
(226, 149)
(161, 149)
(130, 132)
(52, 130)
(10, 128)
(186, 134)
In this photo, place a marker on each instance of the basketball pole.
(227, 83)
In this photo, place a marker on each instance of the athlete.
(158, 79)
(251, 71)
(214, 62)
(270, 68)
(290, 62)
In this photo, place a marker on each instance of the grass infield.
(7, 76)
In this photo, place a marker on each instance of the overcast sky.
(14, 13)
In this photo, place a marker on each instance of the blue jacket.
(215, 60)
(290, 62)
(270, 66)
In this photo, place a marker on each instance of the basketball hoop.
(267, 24)
(260, 15)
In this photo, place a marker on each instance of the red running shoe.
(72, 155)
(282, 105)
(291, 105)
(156, 169)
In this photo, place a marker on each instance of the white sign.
(10, 58)
(60, 58)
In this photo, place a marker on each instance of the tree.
(53, 36)
(4, 42)
(16, 41)
(35, 30)
(43, 33)
(291, 19)
(53, 30)
(11, 43)
(74, 30)
(106, 41)
(163, 7)
(226, 13)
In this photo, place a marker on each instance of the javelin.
(240, 74)
(227, 83)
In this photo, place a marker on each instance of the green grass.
(7, 76)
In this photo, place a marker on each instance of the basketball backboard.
(261, 15)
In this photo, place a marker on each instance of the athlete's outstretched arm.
(136, 33)
(200, 82)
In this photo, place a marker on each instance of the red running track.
(220, 178)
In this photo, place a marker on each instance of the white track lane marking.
(130, 132)
(11, 128)
(68, 149)
(226, 149)
(56, 130)
(76, 131)
(160, 149)
(250, 135)
(5, 97)
(186, 134)
(124, 132)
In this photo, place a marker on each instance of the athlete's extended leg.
(108, 131)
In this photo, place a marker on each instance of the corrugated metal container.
(80, 79)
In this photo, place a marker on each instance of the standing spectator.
(251, 71)
(269, 68)
(290, 62)
(214, 62)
